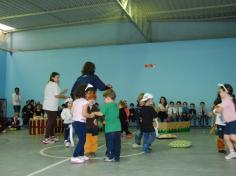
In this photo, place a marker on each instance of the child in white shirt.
(66, 115)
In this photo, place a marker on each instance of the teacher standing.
(89, 77)
(52, 94)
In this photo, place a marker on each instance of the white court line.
(52, 165)
(48, 167)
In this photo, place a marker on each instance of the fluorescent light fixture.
(6, 28)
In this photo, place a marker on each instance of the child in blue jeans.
(148, 114)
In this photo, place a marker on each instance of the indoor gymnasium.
(117, 87)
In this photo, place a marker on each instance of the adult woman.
(162, 109)
(89, 77)
(52, 95)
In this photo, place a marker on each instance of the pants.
(113, 143)
(124, 126)
(51, 123)
(203, 120)
(16, 108)
(148, 139)
(67, 132)
(91, 144)
(138, 136)
(80, 130)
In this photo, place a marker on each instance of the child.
(38, 110)
(27, 114)
(171, 112)
(202, 115)
(66, 115)
(124, 119)
(132, 113)
(91, 144)
(193, 114)
(185, 113)
(179, 111)
(148, 114)
(80, 114)
(227, 108)
(219, 122)
(162, 109)
(112, 126)
(15, 122)
(139, 133)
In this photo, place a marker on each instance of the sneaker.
(55, 139)
(136, 146)
(48, 141)
(84, 158)
(232, 155)
(76, 160)
(108, 160)
(67, 144)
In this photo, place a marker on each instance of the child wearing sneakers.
(220, 124)
(227, 108)
(139, 133)
(112, 126)
(124, 120)
(148, 114)
(66, 115)
(80, 114)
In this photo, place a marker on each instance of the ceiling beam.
(192, 9)
(136, 17)
(43, 12)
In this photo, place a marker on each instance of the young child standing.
(112, 126)
(220, 124)
(66, 115)
(80, 114)
(139, 133)
(91, 144)
(227, 108)
(124, 120)
(148, 114)
(132, 118)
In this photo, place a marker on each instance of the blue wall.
(186, 70)
(3, 57)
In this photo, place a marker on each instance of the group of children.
(83, 116)
(177, 113)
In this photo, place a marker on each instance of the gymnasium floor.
(20, 156)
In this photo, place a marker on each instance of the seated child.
(15, 122)
(179, 111)
(27, 113)
(171, 112)
(202, 115)
(38, 110)
(193, 114)
(185, 113)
